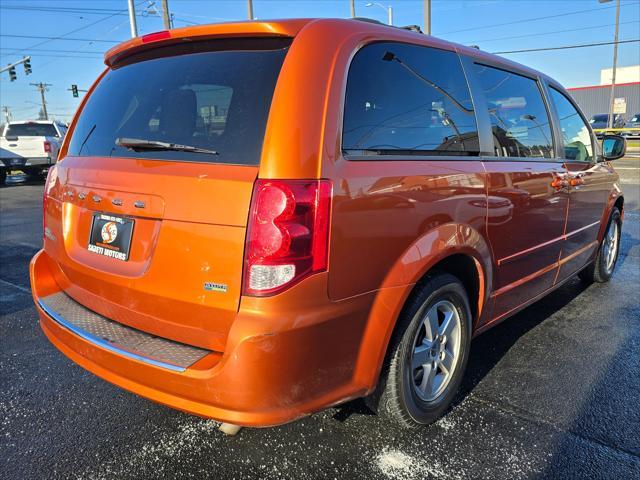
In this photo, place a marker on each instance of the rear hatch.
(147, 212)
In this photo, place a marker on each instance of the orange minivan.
(254, 221)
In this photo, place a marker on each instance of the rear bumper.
(277, 366)
(19, 162)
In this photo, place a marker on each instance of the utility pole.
(250, 9)
(42, 87)
(7, 114)
(132, 19)
(427, 17)
(165, 14)
(615, 65)
(612, 97)
(353, 8)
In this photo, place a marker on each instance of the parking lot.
(552, 392)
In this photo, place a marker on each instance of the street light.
(388, 9)
(615, 62)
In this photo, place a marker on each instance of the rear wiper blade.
(139, 144)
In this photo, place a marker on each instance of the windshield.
(31, 130)
(212, 96)
(599, 118)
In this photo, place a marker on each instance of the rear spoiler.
(275, 28)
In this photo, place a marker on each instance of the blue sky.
(494, 25)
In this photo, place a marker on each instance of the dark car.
(635, 124)
(601, 120)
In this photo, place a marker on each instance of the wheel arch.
(456, 249)
(616, 199)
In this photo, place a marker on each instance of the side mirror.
(613, 147)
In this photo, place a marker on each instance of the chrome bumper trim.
(104, 344)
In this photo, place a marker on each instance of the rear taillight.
(47, 147)
(288, 234)
(51, 178)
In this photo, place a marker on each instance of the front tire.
(427, 355)
(601, 269)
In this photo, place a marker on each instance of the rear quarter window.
(213, 95)
(408, 99)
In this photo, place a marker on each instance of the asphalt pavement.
(553, 392)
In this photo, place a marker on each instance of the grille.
(120, 338)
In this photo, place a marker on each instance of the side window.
(404, 99)
(519, 118)
(577, 139)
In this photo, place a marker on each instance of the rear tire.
(427, 354)
(601, 269)
(36, 175)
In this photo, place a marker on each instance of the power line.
(57, 38)
(188, 22)
(526, 20)
(70, 32)
(550, 33)
(55, 50)
(98, 57)
(566, 47)
(88, 11)
(82, 10)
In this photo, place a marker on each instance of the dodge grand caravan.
(254, 221)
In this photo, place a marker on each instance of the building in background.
(595, 99)
(623, 75)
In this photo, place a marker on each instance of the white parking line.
(22, 289)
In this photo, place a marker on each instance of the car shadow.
(490, 347)
(627, 243)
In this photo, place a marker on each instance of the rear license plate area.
(110, 236)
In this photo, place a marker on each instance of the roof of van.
(291, 28)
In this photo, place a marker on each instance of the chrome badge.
(215, 287)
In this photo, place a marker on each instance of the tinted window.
(519, 118)
(575, 133)
(404, 98)
(31, 130)
(214, 95)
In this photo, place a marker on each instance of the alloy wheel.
(610, 246)
(436, 350)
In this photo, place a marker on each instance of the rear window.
(211, 95)
(31, 130)
(599, 118)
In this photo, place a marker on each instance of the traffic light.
(27, 65)
(74, 90)
(12, 74)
